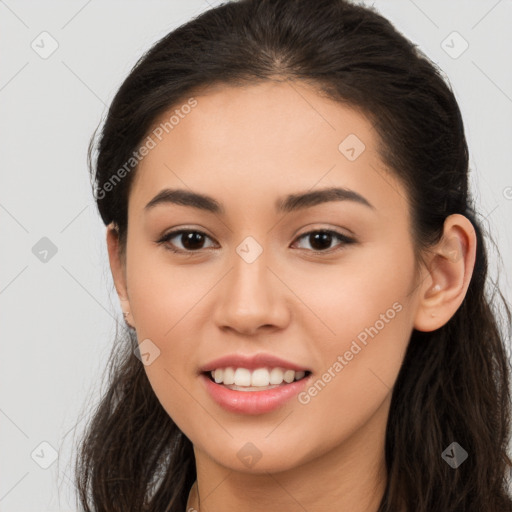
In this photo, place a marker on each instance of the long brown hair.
(454, 382)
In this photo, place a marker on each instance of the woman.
(302, 271)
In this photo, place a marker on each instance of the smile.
(241, 378)
(246, 398)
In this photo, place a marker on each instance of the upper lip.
(251, 362)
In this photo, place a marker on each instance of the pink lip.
(253, 402)
(252, 362)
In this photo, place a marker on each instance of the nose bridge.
(251, 295)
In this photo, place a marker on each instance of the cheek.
(366, 321)
(167, 307)
(358, 369)
(368, 290)
(162, 295)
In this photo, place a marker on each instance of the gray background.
(58, 316)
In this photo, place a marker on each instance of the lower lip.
(253, 402)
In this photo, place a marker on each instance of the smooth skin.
(247, 147)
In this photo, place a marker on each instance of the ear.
(449, 269)
(118, 269)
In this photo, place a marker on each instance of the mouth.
(263, 390)
(260, 379)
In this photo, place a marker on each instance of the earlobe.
(450, 267)
(118, 270)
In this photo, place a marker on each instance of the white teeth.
(229, 376)
(289, 375)
(276, 376)
(242, 377)
(260, 377)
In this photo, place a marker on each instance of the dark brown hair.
(454, 382)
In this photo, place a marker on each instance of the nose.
(251, 298)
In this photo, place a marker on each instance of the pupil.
(323, 238)
(188, 239)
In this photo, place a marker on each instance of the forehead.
(270, 137)
(264, 119)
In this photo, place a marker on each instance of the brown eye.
(191, 240)
(194, 241)
(321, 240)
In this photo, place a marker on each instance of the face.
(326, 284)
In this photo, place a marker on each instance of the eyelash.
(343, 238)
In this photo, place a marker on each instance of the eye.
(321, 240)
(191, 240)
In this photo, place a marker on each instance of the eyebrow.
(292, 202)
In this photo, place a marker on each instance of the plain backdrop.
(58, 306)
